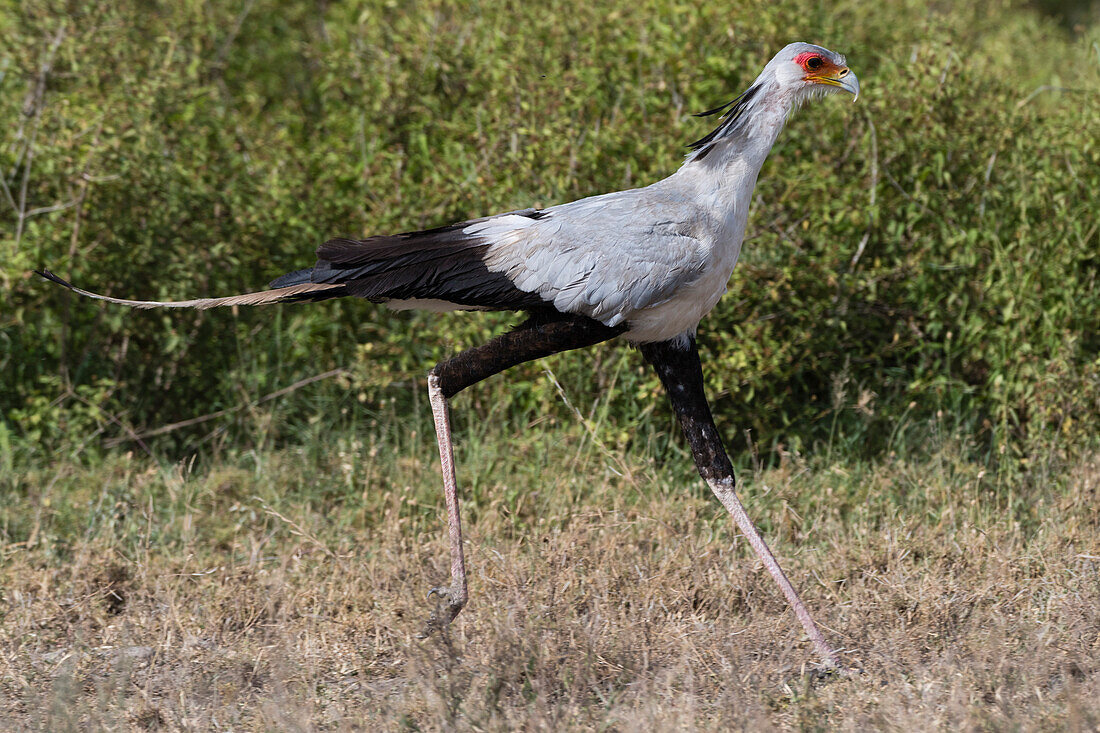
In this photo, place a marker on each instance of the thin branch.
(223, 50)
(859, 250)
(228, 411)
(1048, 88)
(300, 531)
(113, 419)
(35, 102)
(874, 194)
(49, 209)
(985, 188)
(623, 470)
(7, 194)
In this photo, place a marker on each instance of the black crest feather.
(731, 112)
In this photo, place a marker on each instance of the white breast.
(726, 195)
(681, 313)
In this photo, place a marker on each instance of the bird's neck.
(723, 173)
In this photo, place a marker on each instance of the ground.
(595, 604)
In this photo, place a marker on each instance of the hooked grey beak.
(850, 82)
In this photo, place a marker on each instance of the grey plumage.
(646, 264)
(653, 259)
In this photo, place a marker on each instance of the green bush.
(932, 249)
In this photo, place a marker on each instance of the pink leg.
(454, 598)
(724, 490)
(677, 364)
(540, 336)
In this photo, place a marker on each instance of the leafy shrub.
(933, 248)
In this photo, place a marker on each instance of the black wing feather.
(443, 263)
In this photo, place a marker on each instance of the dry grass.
(592, 607)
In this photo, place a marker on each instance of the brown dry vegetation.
(212, 607)
(909, 340)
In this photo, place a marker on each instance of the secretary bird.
(644, 264)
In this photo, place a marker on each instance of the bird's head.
(797, 73)
(808, 70)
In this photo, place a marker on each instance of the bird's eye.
(814, 62)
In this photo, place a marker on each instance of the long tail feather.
(305, 291)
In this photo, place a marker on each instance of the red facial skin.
(827, 68)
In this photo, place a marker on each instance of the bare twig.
(1048, 88)
(300, 531)
(113, 419)
(33, 109)
(49, 209)
(228, 411)
(874, 197)
(223, 50)
(7, 194)
(624, 469)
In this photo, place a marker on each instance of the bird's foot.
(449, 602)
(833, 668)
(819, 674)
(829, 673)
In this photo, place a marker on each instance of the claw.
(445, 594)
(444, 612)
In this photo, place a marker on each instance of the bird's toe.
(447, 606)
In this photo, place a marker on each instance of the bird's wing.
(605, 257)
(441, 265)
